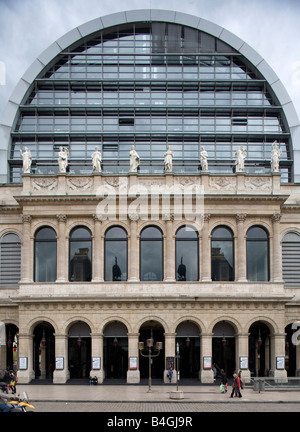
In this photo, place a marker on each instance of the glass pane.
(115, 261)
(115, 233)
(187, 260)
(151, 260)
(257, 233)
(45, 234)
(186, 232)
(151, 232)
(80, 233)
(221, 233)
(222, 266)
(10, 238)
(80, 261)
(257, 261)
(45, 261)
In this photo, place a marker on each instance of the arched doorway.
(259, 349)
(290, 352)
(43, 350)
(188, 337)
(79, 350)
(223, 347)
(115, 350)
(152, 329)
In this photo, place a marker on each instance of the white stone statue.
(27, 160)
(96, 159)
(203, 159)
(275, 157)
(241, 156)
(63, 159)
(134, 159)
(168, 159)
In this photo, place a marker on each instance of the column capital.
(276, 217)
(240, 217)
(26, 218)
(61, 217)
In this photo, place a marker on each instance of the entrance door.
(156, 331)
(223, 348)
(79, 350)
(115, 350)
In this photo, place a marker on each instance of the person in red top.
(236, 386)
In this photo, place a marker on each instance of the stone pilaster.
(62, 265)
(61, 376)
(241, 249)
(98, 248)
(206, 375)
(277, 257)
(27, 250)
(205, 253)
(133, 375)
(133, 250)
(169, 270)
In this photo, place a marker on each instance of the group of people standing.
(237, 383)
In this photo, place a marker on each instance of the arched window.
(10, 260)
(291, 259)
(222, 254)
(257, 254)
(45, 255)
(80, 268)
(187, 258)
(151, 254)
(115, 254)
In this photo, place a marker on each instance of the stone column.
(205, 253)
(242, 350)
(277, 255)
(170, 351)
(241, 249)
(26, 267)
(277, 350)
(133, 252)
(62, 254)
(26, 352)
(169, 270)
(61, 376)
(97, 355)
(98, 248)
(133, 375)
(206, 375)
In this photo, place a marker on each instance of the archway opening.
(43, 350)
(290, 352)
(152, 329)
(10, 345)
(259, 349)
(79, 350)
(115, 350)
(223, 347)
(188, 338)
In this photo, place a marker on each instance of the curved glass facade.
(150, 84)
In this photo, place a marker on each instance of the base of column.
(133, 377)
(279, 374)
(25, 376)
(206, 376)
(246, 376)
(61, 376)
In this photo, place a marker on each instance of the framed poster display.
(280, 363)
(23, 363)
(59, 363)
(96, 361)
(133, 363)
(243, 362)
(170, 363)
(207, 362)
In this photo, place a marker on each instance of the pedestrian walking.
(236, 386)
(170, 375)
(224, 380)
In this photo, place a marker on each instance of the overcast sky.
(271, 27)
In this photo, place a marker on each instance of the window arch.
(257, 254)
(222, 254)
(187, 254)
(80, 255)
(115, 260)
(291, 259)
(45, 255)
(151, 254)
(10, 260)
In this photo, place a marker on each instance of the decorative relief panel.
(79, 183)
(258, 183)
(44, 183)
(222, 183)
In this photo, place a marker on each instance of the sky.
(271, 27)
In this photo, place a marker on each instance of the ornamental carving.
(44, 183)
(276, 217)
(240, 217)
(79, 183)
(258, 183)
(222, 183)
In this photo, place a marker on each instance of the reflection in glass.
(115, 254)
(80, 269)
(257, 254)
(45, 255)
(222, 260)
(187, 254)
(151, 255)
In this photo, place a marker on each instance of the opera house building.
(149, 201)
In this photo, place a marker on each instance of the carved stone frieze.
(222, 183)
(44, 183)
(79, 183)
(258, 183)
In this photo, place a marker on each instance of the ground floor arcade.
(62, 341)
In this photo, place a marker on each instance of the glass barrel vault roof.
(150, 83)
